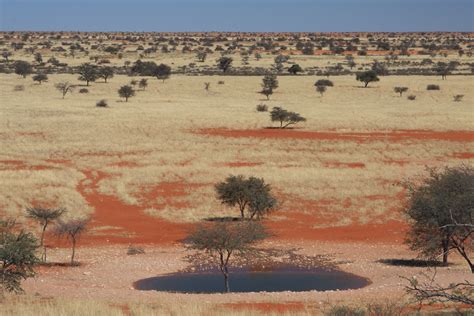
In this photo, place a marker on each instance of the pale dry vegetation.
(154, 138)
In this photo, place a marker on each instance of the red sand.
(110, 211)
(336, 164)
(267, 307)
(393, 136)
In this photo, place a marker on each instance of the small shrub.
(19, 87)
(432, 87)
(411, 97)
(458, 97)
(220, 82)
(84, 90)
(133, 250)
(101, 104)
(262, 108)
(343, 310)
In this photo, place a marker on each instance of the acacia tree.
(295, 69)
(286, 118)
(162, 72)
(126, 92)
(435, 208)
(143, 83)
(40, 77)
(23, 68)
(400, 90)
(17, 256)
(64, 88)
(6, 55)
(105, 73)
(44, 216)
(87, 73)
(367, 77)
(221, 240)
(321, 89)
(251, 194)
(269, 83)
(224, 63)
(72, 230)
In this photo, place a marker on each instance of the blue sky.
(237, 15)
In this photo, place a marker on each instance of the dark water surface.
(277, 280)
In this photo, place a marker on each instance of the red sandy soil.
(134, 226)
(392, 136)
(20, 165)
(237, 164)
(463, 155)
(268, 307)
(336, 164)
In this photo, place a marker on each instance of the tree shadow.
(223, 219)
(411, 263)
(60, 264)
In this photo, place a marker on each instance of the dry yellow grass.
(154, 131)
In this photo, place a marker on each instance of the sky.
(237, 15)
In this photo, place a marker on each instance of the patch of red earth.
(65, 162)
(21, 165)
(125, 164)
(135, 225)
(242, 164)
(463, 155)
(396, 162)
(393, 135)
(336, 164)
(267, 307)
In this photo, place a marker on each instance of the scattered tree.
(64, 88)
(435, 207)
(400, 90)
(295, 69)
(223, 239)
(458, 97)
(72, 230)
(143, 83)
(163, 72)
(23, 68)
(44, 216)
(105, 73)
(201, 56)
(250, 194)
(126, 92)
(87, 73)
(17, 257)
(40, 77)
(324, 83)
(367, 77)
(6, 55)
(321, 89)
(224, 63)
(267, 92)
(285, 117)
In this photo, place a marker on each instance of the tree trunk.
(226, 280)
(366, 84)
(73, 250)
(445, 252)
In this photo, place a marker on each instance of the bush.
(220, 82)
(458, 97)
(342, 310)
(411, 97)
(133, 250)
(262, 108)
(432, 87)
(84, 90)
(19, 87)
(324, 83)
(102, 103)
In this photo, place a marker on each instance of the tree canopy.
(441, 213)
